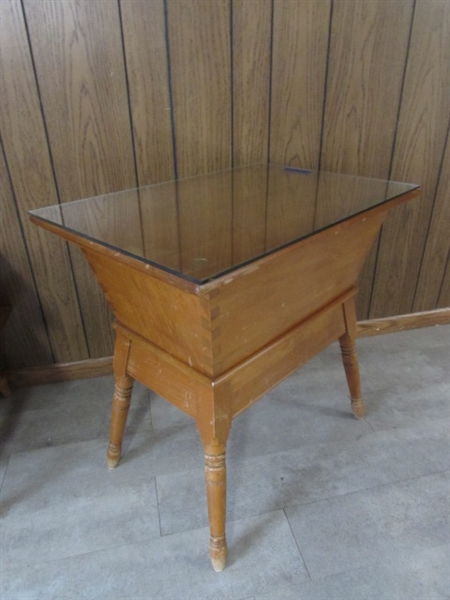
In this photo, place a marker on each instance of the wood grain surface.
(199, 34)
(363, 95)
(206, 236)
(421, 133)
(288, 213)
(252, 28)
(434, 263)
(78, 55)
(429, 318)
(29, 163)
(79, 61)
(255, 304)
(148, 77)
(25, 332)
(299, 56)
(53, 373)
(249, 214)
(161, 225)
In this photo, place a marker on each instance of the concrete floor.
(320, 506)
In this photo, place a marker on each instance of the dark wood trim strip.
(428, 318)
(83, 369)
(95, 367)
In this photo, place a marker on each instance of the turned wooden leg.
(351, 366)
(350, 358)
(121, 399)
(216, 491)
(119, 413)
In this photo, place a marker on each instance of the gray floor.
(320, 506)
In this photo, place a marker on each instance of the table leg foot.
(358, 408)
(351, 367)
(216, 489)
(120, 407)
(113, 456)
(218, 553)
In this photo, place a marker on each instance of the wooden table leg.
(121, 400)
(119, 413)
(214, 422)
(216, 491)
(350, 359)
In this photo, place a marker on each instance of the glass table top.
(206, 226)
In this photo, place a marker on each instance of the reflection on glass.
(203, 227)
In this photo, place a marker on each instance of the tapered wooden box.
(223, 285)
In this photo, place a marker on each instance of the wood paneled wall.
(106, 95)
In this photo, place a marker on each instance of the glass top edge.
(280, 166)
(142, 259)
(202, 211)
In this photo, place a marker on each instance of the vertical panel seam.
(52, 166)
(169, 76)
(127, 85)
(130, 115)
(269, 120)
(402, 87)
(443, 278)
(394, 143)
(232, 125)
(232, 84)
(325, 85)
(27, 252)
(431, 218)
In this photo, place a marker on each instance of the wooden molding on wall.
(417, 320)
(82, 369)
(96, 367)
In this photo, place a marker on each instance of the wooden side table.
(223, 285)
(4, 314)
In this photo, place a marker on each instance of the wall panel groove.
(148, 69)
(79, 63)
(201, 95)
(52, 166)
(298, 73)
(127, 83)
(444, 293)
(29, 162)
(422, 128)
(251, 80)
(26, 331)
(326, 80)
(272, 8)
(363, 96)
(169, 75)
(437, 247)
